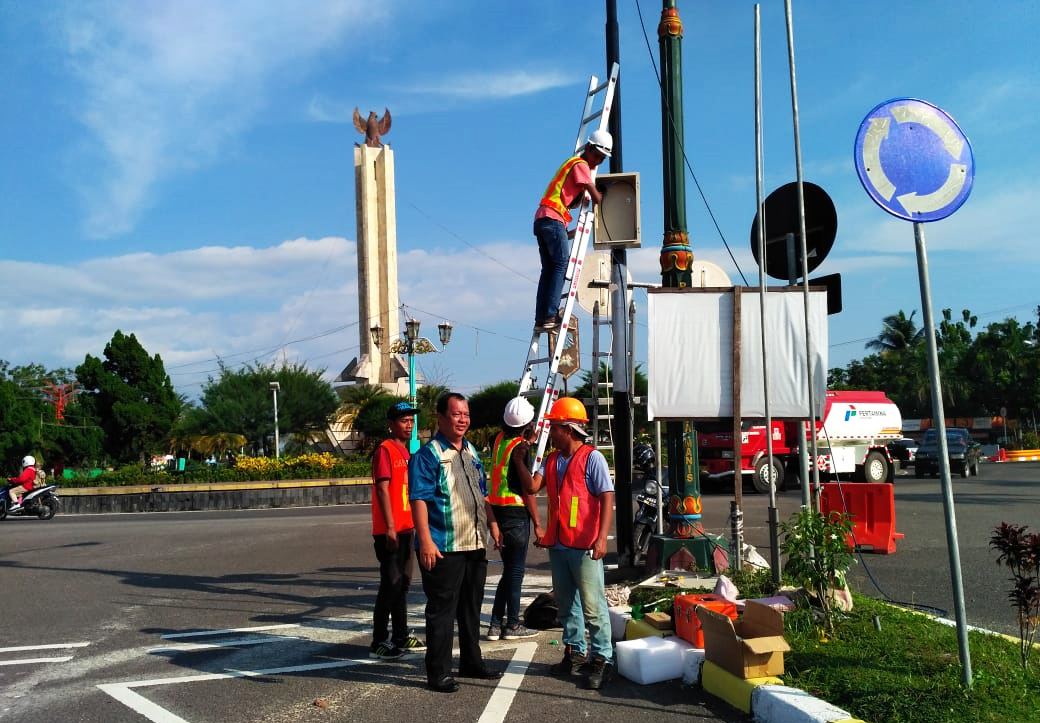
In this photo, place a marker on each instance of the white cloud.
(166, 86)
(493, 84)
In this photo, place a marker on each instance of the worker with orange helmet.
(580, 494)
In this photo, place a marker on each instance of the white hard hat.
(602, 141)
(28, 461)
(518, 413)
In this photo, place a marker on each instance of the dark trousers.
(395, 575)
(516, 536)
(454, 591)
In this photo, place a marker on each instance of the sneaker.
(494, 631)
(516, 632)
(570, 664)
(411, 644)
(385, 651)
(597, 672)
(550, 323)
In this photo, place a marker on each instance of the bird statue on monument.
(372, 128)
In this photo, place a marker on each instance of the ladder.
(548, 358)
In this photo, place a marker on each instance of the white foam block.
(693, 659)
(650, 660)
(619, 617)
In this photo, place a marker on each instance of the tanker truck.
(850, 443)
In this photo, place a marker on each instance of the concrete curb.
(768, 700)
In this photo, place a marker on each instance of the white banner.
(690, 356)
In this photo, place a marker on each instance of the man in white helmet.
(566, 189)
(514, 508)
(22, 483)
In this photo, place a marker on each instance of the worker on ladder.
(566, 190)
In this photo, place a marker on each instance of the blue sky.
(184, 170)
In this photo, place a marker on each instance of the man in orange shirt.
(393, 538)
(566, 189)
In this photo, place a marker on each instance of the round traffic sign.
(913, 160)
(781, 212)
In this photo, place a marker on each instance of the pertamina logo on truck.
(850, 442)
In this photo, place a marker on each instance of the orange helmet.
(568, 409)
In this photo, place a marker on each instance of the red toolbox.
(688, 625)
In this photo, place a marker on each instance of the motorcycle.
(41, 502)
(645, 523)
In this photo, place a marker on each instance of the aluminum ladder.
(598, 101)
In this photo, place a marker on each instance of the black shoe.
(444, 684)
(597, 672)
(547, 324)
(570, 664)
(481, 673)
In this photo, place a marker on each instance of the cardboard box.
(687, 625)
(661, 621)
(752, 647)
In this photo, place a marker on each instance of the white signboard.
(690, 356)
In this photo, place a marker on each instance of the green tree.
(487, 404)
(240, 401)
(131, 397)
(20, 413)
(899, 333)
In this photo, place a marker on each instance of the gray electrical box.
(617, 217)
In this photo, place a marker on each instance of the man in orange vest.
(580, 494)
(514, 509)
(565, 191)
(393, 535)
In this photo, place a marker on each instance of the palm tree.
(899, 333)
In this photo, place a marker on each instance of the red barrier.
(872, 507)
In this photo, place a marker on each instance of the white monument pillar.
(377, 270)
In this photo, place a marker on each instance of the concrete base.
(701, 547)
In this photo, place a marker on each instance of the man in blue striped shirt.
(446, 485)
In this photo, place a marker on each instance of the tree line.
(981, 370)
(121, 408)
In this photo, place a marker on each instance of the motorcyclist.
(22, 483)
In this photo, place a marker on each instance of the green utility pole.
(684, 504)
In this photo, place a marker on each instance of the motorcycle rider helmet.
(643, 457)
(28, 461)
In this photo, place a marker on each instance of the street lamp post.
(411, 344)
(275, 386)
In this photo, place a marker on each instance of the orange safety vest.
(500, 493)
(573, 511)
(553, 192)
(399, 503)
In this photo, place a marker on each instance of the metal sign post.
(915, 162)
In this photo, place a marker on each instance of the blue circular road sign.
(913, 160)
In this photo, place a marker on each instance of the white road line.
(501, 700)
(234, 643)
(52, 646)
(198, 633)
(157, 714)
(30, 661)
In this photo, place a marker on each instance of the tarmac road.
(257, 615)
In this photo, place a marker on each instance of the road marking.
(233, 643)
(123, 692)
(502, 699)
(30, 661)
(51, 646)
(197, 633)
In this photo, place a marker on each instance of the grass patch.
(910, 671)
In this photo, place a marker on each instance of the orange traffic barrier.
(872, 507)
(1023, 455)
